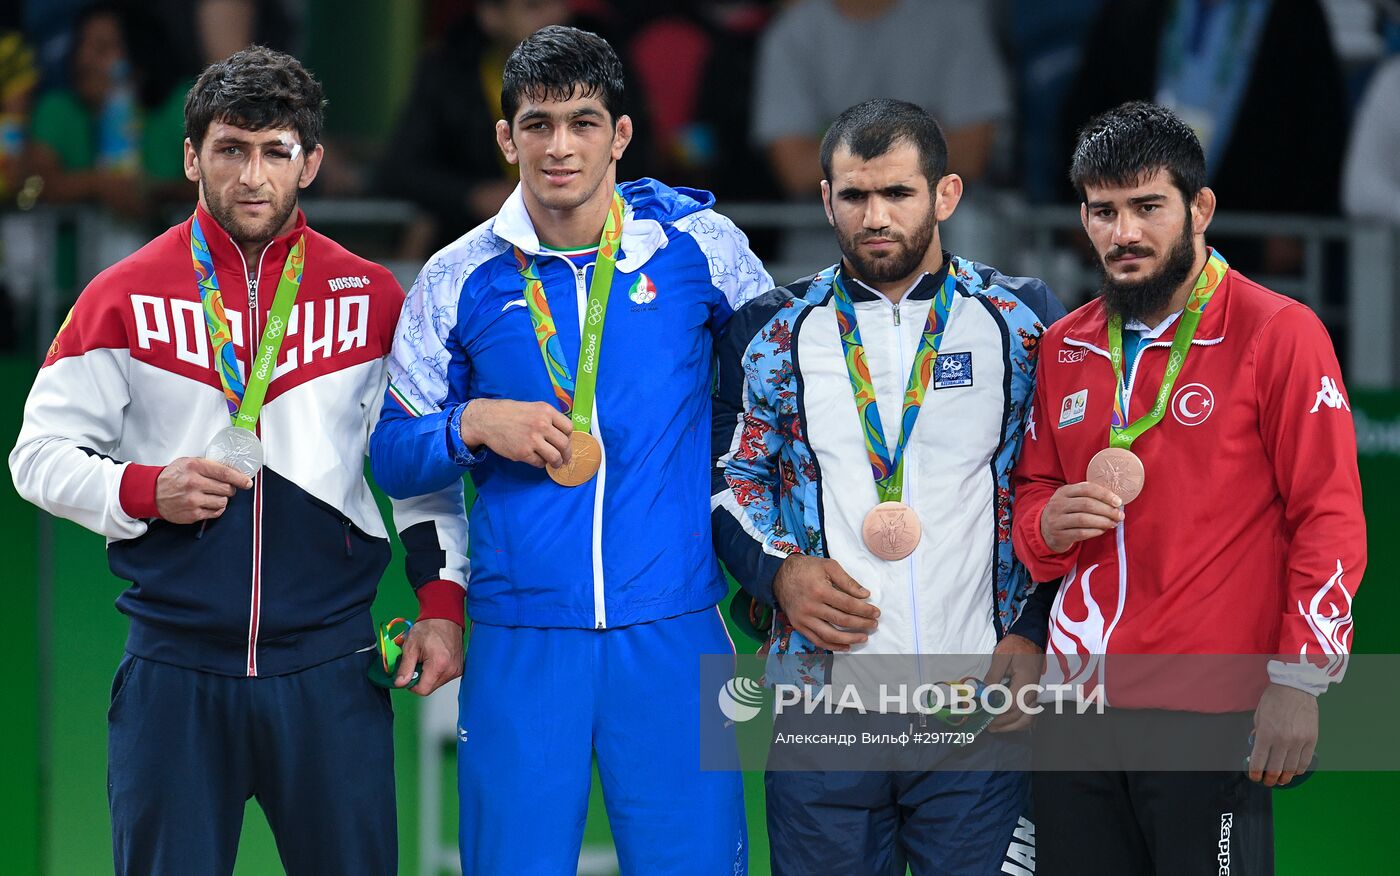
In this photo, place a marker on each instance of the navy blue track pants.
(187, 749)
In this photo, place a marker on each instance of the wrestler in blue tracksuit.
(590, 605)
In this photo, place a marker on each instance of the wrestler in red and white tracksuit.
(1248, 536)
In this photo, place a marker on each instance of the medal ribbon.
(889, 470)
(244, 400)
(1120, 432)
(576, 396)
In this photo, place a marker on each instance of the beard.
(895, 265)
(1138, 299)
(250, 233)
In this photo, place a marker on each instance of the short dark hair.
(1128, 144)
(256, 89)
(872, 128)
(558, 62)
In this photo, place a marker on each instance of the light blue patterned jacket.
(792, 473)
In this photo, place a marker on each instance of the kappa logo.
(340, 283)
(1073, 407)
(1071, 357)
(1193, 403)
(643, 291)
(1330, 395)
(953, 369)
(1222, 854)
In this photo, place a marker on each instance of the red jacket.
(1248, 536)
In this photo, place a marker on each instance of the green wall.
(19, 780)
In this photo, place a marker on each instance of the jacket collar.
(641, 238)
(228, 256)
(1088, 327)
(924, 289)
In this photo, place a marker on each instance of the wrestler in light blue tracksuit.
(590, 605)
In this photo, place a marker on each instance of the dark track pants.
(1140, 823)
(954, 811)
(876, 823)
(186, 750)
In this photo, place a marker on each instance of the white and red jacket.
(283, 580)
(1248, 536)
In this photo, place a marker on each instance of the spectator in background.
(17, 80)
(107, 137)
(821, 56)
(1257, 80)
(204, 32)
(443, 155)
(694, 68)
(18, 77)
(1044, 42)
(228, 26)
(1371, 184)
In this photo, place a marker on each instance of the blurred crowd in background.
(1297, 102)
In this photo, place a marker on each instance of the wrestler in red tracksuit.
(1248, 536)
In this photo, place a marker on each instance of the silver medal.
(238, 449)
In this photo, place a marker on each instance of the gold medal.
(585, 455)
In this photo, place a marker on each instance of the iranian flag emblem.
(643, 291)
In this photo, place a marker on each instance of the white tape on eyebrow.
(286, 140)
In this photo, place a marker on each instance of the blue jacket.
(633, 544)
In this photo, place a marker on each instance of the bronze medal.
(585, 455)
(892, 530)
(1118, 469)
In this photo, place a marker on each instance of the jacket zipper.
(600, 612)
(907, 498)
(255, 585)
